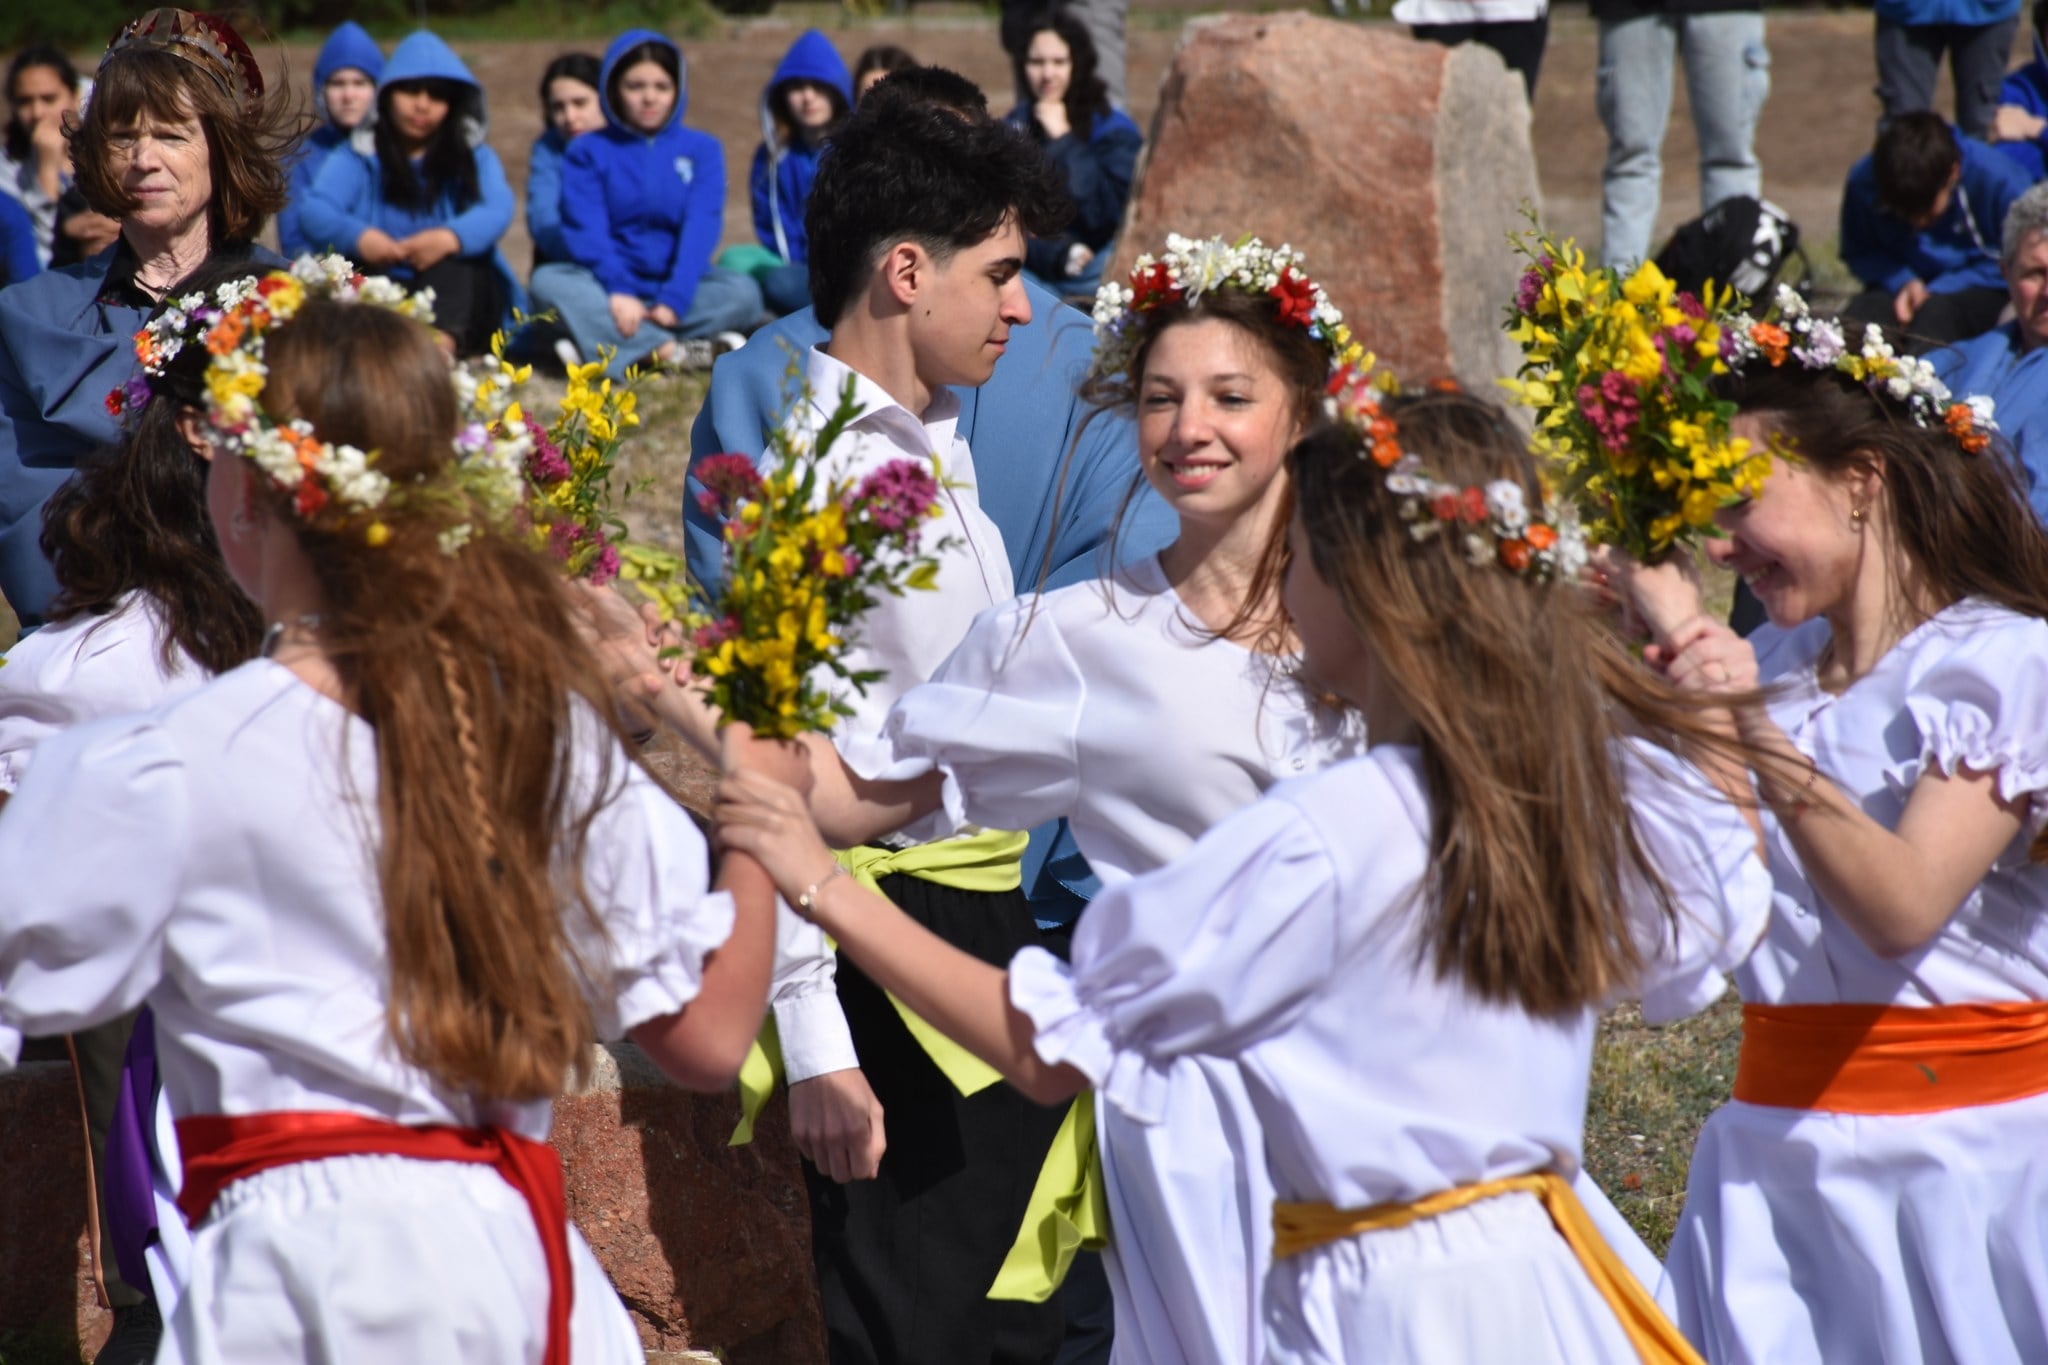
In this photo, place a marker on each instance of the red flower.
(309, 499)
(1296, 297)
(114, 402)
(1472, 506)
(1444, 507)
(1152, 287)
(1515, 554)
(270, 284)
(729, 479)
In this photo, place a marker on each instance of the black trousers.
(905, 1260)
(1944, 318)
(469, 300)
(1520, 43)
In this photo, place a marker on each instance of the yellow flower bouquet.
(1618, 372)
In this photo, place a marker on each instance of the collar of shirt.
(920, 437)
(119, 288)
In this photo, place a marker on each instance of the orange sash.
(219, 1150)
(1891, 1059)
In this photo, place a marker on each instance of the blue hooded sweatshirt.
(18, 258)
(544, 197)
(349, 47)
(643, 211)
(1097, 171)
(781, 177)
(1020, 425)
(1998, 365)
(347, 198)
(1959, 250)
(2028, 89)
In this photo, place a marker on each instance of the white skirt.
(1489, 1283)
(382, 1258)
(1191, 1222)
(1882, 1240)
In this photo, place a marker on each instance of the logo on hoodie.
(686, 167)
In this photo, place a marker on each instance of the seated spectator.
(2009, 363)
(883, 59)
(344, 92)
(643, 203)
(1094, 146)
(2021, 123)
(572, 107)
(803, 102)
(1920, 222)
(418, 195)
(17, 243)
(43, 91)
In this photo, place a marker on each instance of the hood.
(424, 56)
(348, 46)
(621, 45)
(812, 58)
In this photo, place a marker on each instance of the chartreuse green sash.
(1068, 1211)
(986, 862)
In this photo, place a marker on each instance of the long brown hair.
(1961, 523)
(1519, 692)
(1303, 364)
(468, 670)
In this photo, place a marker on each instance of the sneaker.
(729, 341)
(696, 353)
(566, 352)
(138, 1329)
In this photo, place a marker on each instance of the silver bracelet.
(809, 898)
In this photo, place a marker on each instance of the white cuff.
(815, 1039)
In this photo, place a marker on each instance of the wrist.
(806, 898)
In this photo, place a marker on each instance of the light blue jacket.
(1998, 365)
(349, 47)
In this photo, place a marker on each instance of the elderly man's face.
(2026, 275)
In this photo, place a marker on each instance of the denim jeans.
(1727, 77)
(785, 288)
(1909, 59)
(725, 302)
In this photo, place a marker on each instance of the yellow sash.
(1304, 1227)
(987, 862)
(1068, 1211)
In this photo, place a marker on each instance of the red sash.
(219, 1150)
(1892, 1059)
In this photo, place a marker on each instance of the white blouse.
(1287, 938)
(83, 669)
(1967, 688)
(1105, 703)
(216, 857)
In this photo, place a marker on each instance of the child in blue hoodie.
(419, 196)
(344, 92)
(804, 100)
(643, 203)
(572, 106)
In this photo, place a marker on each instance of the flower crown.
(1791, 331)
(1493, 521)
(1190, 269)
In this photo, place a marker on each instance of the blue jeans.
(1909, 59)
(724, 302)
(1727, 77)
(786, 288)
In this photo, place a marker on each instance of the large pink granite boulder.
(1397, 166)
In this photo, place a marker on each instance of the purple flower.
(1612, 408)
(727, 479)
(897, 497)
(545, 465)
(1530, 290)
(711, 635)
(563, 538)
(605, 567)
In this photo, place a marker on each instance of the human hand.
(47, 141)
(1052, 116)
(1704, 655)
(626, 313)
(1664, 596)
(1078, 257)
(623, 646)
(94, 232)
(427, 249)
(768, 820)
(1912, 294)
(378, 247)
(837, 1123)
(2014, 124)
(661, 315)
(785, 760)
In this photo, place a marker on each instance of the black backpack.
(1744, 242)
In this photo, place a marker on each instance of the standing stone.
(1398, 166)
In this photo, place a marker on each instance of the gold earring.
(1856, 516)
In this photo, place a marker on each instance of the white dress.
(1100, 702)
(62, 675)
(1878, 1239)
(1286, 940)
(214, 857)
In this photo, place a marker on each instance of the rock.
(1397, 166)
(46, 1291)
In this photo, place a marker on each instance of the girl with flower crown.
(1403, 954)
(1875, 1191)
(383, 886)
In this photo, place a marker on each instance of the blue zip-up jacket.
(1963, 13)
(544, 197)
(781, 176)
(349, 46)
(1020, 426)
(1998, 365)
(66, 339)
(17, 242)
(1097, 172)
(643, 211)
(347, 198)
(1959, 250)
(2028, 88)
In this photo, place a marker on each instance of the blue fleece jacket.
(66, 339)
(544, 197)
(2028, 88)
(1020, 426)
(348, 199)
(1959, 250)
(781, 176)
(1965, 13)
(17, 242)
(643, 211)
(1097, 171)
(1998, 364)
(349, 47)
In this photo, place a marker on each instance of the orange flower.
(1383, 434)
(226, 334)
(1771, 339)
(1515, 554)
(1542, 537)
